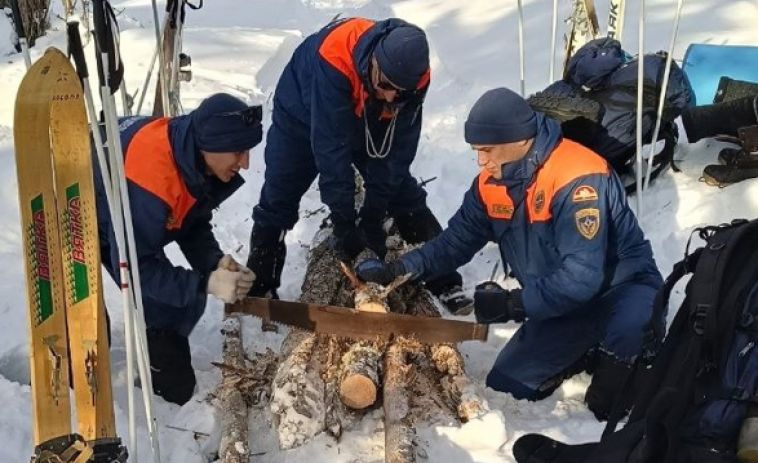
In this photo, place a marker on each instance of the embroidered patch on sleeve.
(539, 201)
(587, 222)
(584, 193)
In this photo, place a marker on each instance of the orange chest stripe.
(150, 164)
(568, 162)
(337, 50)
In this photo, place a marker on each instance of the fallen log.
(233, 447)
(399, 434)
(326, 383)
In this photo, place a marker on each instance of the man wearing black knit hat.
(350, 96)
(178, 170)
(560, 216)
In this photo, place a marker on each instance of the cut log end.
(358, 391)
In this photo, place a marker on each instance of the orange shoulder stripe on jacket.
(568, 162)
(150, 164)
(495, 199)
(337, 50)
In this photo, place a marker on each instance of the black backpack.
(694, 393)
(596, 103)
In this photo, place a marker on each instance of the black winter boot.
(609, 377)
(171, 365)
(739, 164)
(266, 260)
(720, 119)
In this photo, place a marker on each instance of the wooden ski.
(56, 193)
(584, 27)
(616, 19)
(80, 250)
(42, 258)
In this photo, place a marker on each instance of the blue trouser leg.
(290, 171)
(631, 308)
(542, 350)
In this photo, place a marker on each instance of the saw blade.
(354, 324)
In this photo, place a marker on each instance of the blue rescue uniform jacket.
(325, 89)
(561, 219)
(172, 199)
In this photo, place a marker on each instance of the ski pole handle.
(98, 14)
(75, 49)
(17, 20)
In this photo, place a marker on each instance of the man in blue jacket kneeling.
(178, 170)
(560, 217)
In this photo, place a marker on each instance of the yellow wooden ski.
(54, 166)
(42, 259)
(80, 249)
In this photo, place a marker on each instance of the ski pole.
(521, 46)
(115, 152)
(18, 22)
(662, 97)
(77, 51)
(640, 94)
(148, 77)
(163, 84)
(552, 42)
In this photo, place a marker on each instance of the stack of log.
(325, 383)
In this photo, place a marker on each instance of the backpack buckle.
(698, 317)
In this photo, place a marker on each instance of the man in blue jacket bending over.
(350, 96)
(178, 170)
(561, 219)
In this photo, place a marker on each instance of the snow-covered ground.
(240, 47)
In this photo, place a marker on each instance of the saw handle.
(75, 49)
(17, 21)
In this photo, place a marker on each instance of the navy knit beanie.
(225, 124)
(500, 116)
(403, 56)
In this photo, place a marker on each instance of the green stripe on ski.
(44, 292)
(74, 236)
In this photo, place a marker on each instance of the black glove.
(266, 260)
(376, 239)
(378, 271)
(349, 241)
(493, 304)
(417, 226)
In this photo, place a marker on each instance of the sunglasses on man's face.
(250, 116)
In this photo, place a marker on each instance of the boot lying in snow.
(738, 164)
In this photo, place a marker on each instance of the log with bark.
(234, 440)
(245, 383)
(326, 383)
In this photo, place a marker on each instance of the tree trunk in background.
(34, 15)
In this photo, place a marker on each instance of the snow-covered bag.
(692, 391)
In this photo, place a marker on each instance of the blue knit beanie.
(224, 124)
(500, 116)
(403, 56)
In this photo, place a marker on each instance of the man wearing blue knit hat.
(178, 170)
(351, 96)
(560, 216)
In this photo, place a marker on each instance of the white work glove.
(230, 281)
(228, 263)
